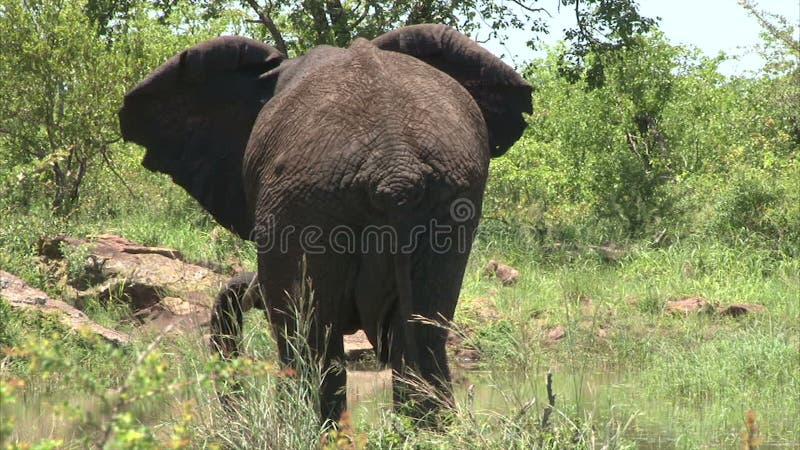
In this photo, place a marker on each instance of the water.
(38, 414)
(657, 424)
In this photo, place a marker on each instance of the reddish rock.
(20, 295)
(178, 306)
(462, 353)
(157, 283)
(506, 274)
(483, 308)
(557, 333)
(366, 385)
(357, 346)
(688, 305)
(467, 357)
(453, 338)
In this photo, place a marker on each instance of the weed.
(751, 436)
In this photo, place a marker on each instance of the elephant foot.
(429, 405)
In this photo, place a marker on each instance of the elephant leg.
(333, 391)
(421, 377)
(423, 374)
(309, 332)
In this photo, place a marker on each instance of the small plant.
(75, 257)
(7, 400)
(343, 436)
(650, 303)
(751, 434)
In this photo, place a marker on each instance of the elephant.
(358, 170)
(238, 295)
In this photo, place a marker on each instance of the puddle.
(369, 389)
(658, 425)
(38, 415)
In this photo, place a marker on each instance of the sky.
(710, 25)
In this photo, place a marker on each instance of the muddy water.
(600, 395)
(369, 391)
(37, 415)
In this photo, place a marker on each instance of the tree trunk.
(265, 17)
(338, 17)
(321, 25)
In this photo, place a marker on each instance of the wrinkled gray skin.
(390, 132)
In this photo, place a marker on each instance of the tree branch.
(784, 35)
(362, 16)
(265, 17)
(338, 17)
(551, 401)
(104, 153)
(321, 25)
(581, 25)
(533, 10)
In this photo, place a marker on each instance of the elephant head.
(196, 112)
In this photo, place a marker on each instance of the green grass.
(689, 379)
(626, 373)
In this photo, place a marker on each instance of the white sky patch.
(710, 25)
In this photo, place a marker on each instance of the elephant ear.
(194, 115)
(500, 92)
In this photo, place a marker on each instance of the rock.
(739, 309)
(688, 305)
(154, 281)
(463, 354)
(699, 304)
(454, 339)
(506, 274)
(483, 309)
(234, 265)
(609, 251)
(557, 333)
(366, 384)
(178, 306)
(357, 346)
(20, 295)
(467, 358)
